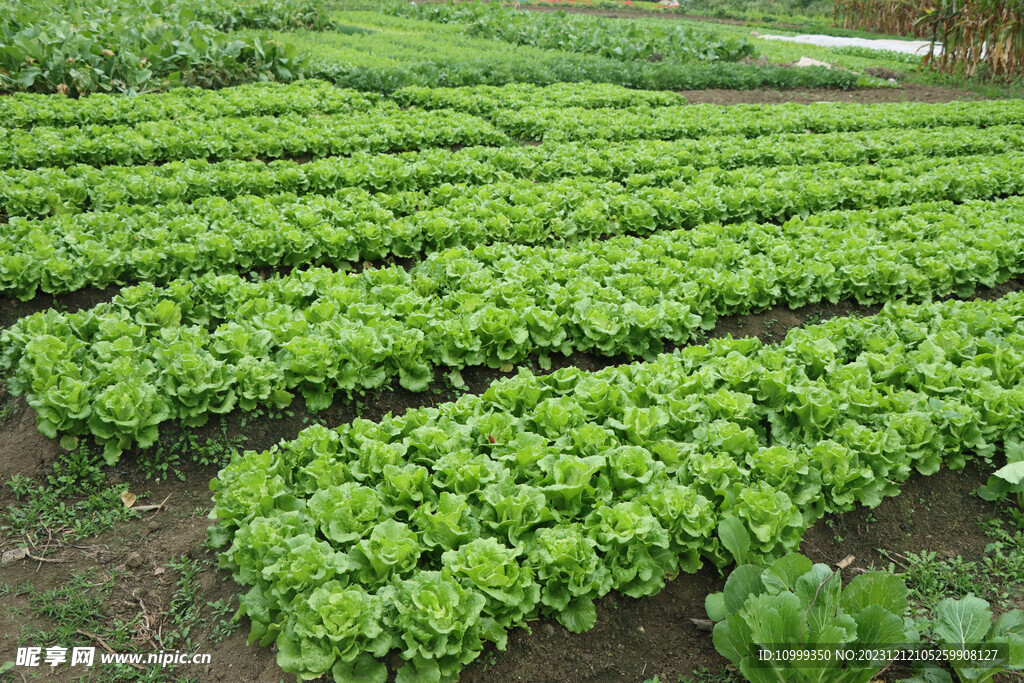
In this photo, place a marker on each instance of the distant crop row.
(439, 62)
(290, 135)
(378, 53)
(384, 129)
(310, 97)
(25, 110)
(485, 100)
(205, 346)
(78, 188)
(672, 123)
(545, 493)
(620, 39)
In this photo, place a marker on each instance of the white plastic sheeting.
(913, 47)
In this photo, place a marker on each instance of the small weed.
(6, 411)
(184, 611)
(168, 459)
(931, 579)
(705, 675)
(1004, 557)
(73, 504)
(75, 607)
(489, 660)
(222, 615)
(80, 467)
(20, 485)
(996, 577)
(74, 616)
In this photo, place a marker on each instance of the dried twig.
(44, 559)
(147, 508)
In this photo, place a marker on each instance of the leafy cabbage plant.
(966, 625)
(795, 604)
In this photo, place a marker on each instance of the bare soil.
(907, 92)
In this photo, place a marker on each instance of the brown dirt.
(23, 450)
(12, 309)
(909, 92)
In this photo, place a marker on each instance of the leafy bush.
(80, 49)
(792, 604)
(275, 15)
(964, 626)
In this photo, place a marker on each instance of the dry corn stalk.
(973, 33)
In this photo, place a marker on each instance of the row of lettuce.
(24, 110)
(291, 135)
(626, 40)
(429, 535)
(385, 129)
(205, 346)
(37, 193)
(218, 236)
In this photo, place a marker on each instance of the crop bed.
(437, 531)
(278, 244)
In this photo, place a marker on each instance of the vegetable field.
(465, 365)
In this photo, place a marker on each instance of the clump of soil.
(881, 72)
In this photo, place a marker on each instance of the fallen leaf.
(128, 498)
